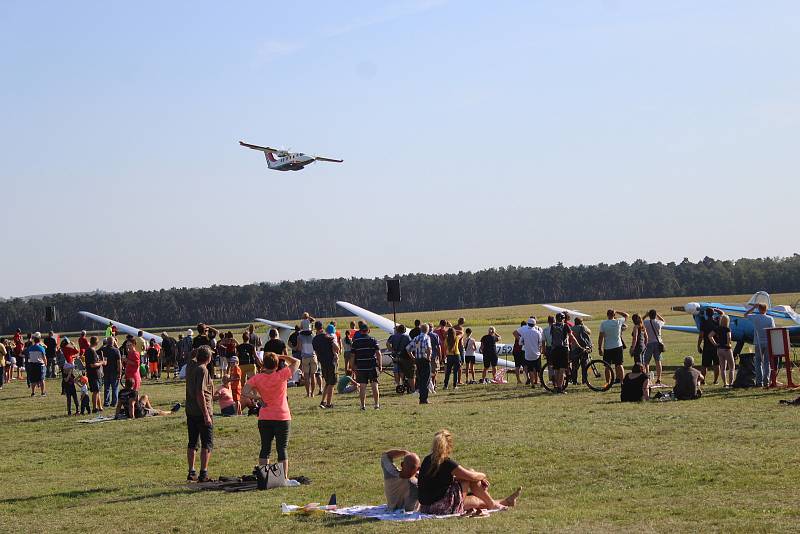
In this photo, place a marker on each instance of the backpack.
(558, 335)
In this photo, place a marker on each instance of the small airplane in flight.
(283, 160)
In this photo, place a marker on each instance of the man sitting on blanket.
(400, 485)
(131, 405)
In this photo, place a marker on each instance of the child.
(152, 359)
(235, 374)
(470, 347)
(225, 398)
(68, 385)
(84, 382)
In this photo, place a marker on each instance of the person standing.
(153, 354)
(327, 351)
(761, 321)
(185, 346)
(50, 346)
(453, 364)
(131, 362)
(3, 352)
(532, 341)
(308, 360)
(436, 347)
(706, 348)
(459, 329)
(721, 338)
(489, 352)
(253, 338)
(274, 416)
(246, 356)
(37, 362)
(610, 343)
(562, 337)
(421, 347)
(83, 342)
(139, 343)
(638, 339)
(368, 365)
(470, 348)
(579, 354)
(169, 354)
(655, 344)
(199, 409)
(404, 361)
(111, 372)
(275, 344)
(94, 372)
(519, 356)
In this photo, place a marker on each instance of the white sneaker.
(292, 483)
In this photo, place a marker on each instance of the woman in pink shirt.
(132, 361)
(274, 415)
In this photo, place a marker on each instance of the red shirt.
(83, 344)
(132, 364)
(69, 353)
(272, 388)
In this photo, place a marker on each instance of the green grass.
(588, 463)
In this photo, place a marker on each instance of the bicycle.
(593, 374)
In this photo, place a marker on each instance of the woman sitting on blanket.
(131, 405)
(446, 488)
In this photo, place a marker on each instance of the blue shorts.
(651, 351)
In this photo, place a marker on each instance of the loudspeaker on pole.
(393, 291)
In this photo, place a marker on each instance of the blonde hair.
(440, 450)
(724, 321)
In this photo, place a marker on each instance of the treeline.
(491, 287)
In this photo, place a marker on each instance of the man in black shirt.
(169, 354)
(111, 372)
(94, 372)
(708, 349)
(50, 352)
(327, 351)
(416, 330)
(275, 344)
(246, 353)
(489, 352)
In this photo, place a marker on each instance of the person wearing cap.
(609, 343)
(37, 362)
(327, 350)
(687, 381)
(532, 343)
(368, 364)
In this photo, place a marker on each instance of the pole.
(394, 312)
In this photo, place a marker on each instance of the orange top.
(272, 388)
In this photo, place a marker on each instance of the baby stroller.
(400, 364)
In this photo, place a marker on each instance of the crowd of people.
(255, 376)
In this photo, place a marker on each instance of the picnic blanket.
(379, 513)
(99, 419)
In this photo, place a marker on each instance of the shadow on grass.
(73, 494)
(336, 521)
(156, 495)
(40, 418)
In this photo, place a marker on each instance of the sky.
(474, 134)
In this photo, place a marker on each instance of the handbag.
(660, 344)
(270, 476)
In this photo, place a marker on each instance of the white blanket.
(380, 512)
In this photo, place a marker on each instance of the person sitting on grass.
(225, 398)
(446, 488)
(346, 385)
(132, 406)
(635, 385)
(687, 381)
(400, 485)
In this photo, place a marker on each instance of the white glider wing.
(572, 313)
(284, 330)
(121, 327)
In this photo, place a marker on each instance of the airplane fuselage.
(743, 330)
(289, 162)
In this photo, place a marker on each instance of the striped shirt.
(420, 346)
(364, 347)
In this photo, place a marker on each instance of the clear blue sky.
(474, 134)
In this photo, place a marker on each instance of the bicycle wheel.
(596, 372)
(547, 377)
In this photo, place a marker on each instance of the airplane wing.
(779, 312)
(387, 325)
(320, 158)
(262, 148)
(684, 329)
(284, 330)
(573, 313)
(121, 327)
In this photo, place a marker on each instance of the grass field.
(727, 462)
